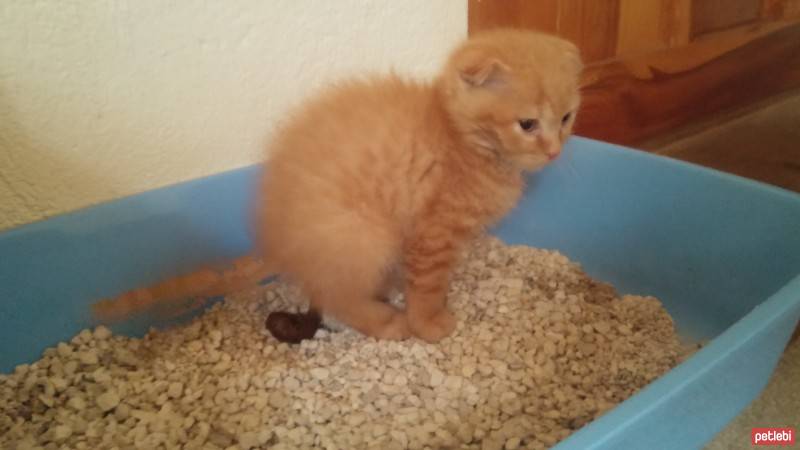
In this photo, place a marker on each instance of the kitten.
(385, 176)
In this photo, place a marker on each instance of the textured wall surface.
(105, 99)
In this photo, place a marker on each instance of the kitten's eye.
(566, 118)
(529, 125)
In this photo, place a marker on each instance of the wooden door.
(655, 65)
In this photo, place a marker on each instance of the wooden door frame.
(636, 97)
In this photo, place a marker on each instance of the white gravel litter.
(540, 350)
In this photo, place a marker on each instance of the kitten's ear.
(480, 70)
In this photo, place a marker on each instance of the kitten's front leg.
(429, 260)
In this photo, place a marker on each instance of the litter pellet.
(540, 350)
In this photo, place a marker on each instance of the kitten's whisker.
(568, 162)
(572, 168)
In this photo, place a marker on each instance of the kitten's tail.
(176, 296)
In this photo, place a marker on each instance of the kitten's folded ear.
(573, 57)
(479, 69)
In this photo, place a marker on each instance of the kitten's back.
(337, 181)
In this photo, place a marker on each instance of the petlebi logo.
(772, 436)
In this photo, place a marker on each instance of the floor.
(764, 144)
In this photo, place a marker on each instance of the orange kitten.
(386, 176)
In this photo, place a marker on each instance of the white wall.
(101, 99)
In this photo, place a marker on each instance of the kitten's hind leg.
(355, 269)
(367, 315)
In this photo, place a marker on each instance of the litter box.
(721, 252)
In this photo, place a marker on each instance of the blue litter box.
(722, 253)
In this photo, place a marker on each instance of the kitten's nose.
(553, 152)
(551, 146)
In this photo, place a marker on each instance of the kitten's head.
(514, 93)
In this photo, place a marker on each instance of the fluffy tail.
(176, 296)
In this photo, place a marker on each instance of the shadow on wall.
(37, 180)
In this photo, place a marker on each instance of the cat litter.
(540, 350)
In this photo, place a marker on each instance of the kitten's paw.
(396, 329)
(433, 328)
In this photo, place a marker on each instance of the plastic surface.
(722, 253)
